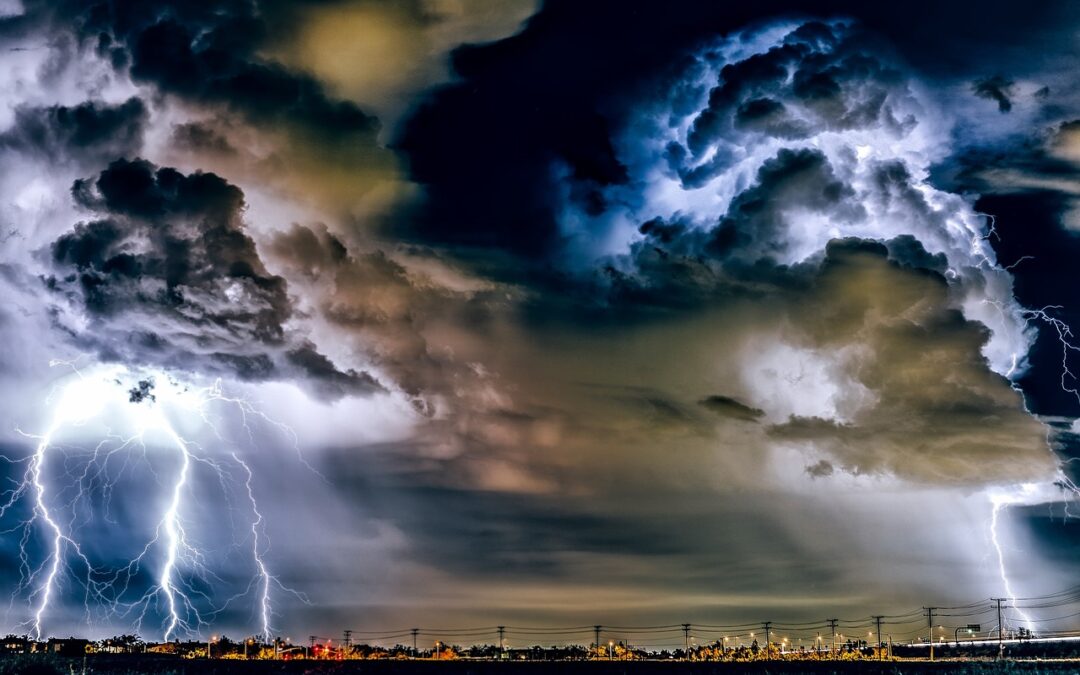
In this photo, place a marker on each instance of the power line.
(1066, 598)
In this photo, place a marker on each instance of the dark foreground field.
(99, 665)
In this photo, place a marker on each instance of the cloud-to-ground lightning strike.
(1027, 494)
(1000, 502)
(1030, 494)
(174, 533)
(72, 409)
(185, 607)
(41, 510)
(257, 552)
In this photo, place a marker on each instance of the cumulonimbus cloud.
(789, 167)
(165, 275)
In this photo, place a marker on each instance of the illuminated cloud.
(750, 193)
(165, 275)
(887, 331)
(385, 53)
(657, 329)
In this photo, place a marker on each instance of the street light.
(213, 638)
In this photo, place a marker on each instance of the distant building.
(14, 644)
(67, 646)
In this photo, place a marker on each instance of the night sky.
(369, 314)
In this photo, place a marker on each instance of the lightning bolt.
(1065, 337)
(256, 551)
(58, 539)
(33, 482)
(1027, 494)
(1000, 503)
(176, 538)
(178, 593)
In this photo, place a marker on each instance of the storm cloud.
(166, 276)
(730, 407)
(997, 89)
(91, 133)
(896, 326)
(658, 330)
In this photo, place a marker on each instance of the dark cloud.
(818, 79)
(215, 68)
(907, 251)
(201, 138)
(394, 315)
(330, 381)
(661, 279)
(167, 276)
(997, 88)
(768, 116)
(142, 391)
(754, 225)
(679, 264)
(559, 539)
(726, 406)
(820, 469)
(210, 55)
(92, 132)
(313, 253)
(524, 536)
(491, 149)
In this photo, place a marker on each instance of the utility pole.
(415, 632)
(832, 644)
(596, 631)
(768, 627)
(686, 640)
(1001, 628)
(311, 647)
(930, 626)
(348, 641)
(502, 643)
(877, 620)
